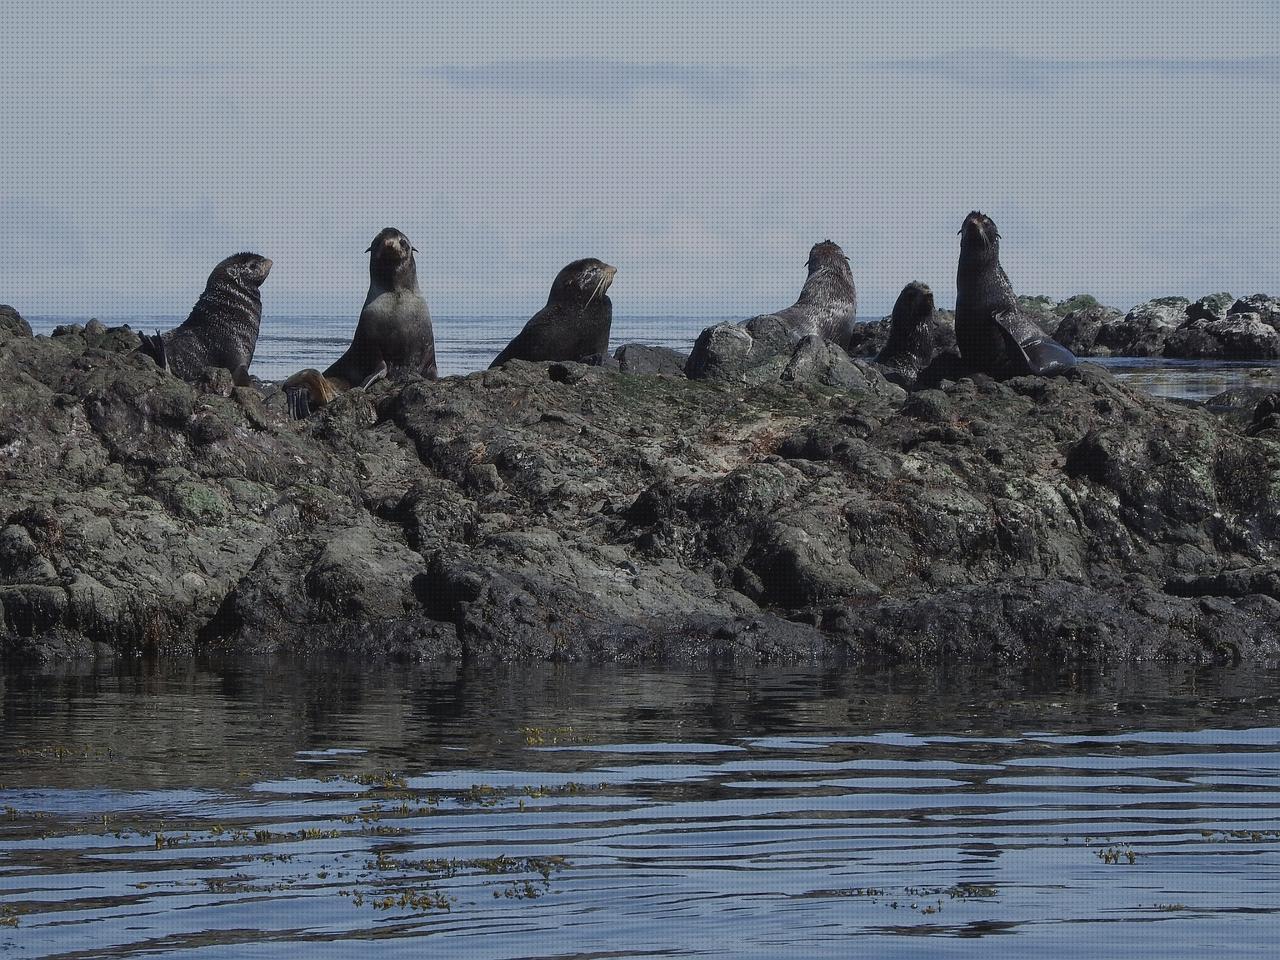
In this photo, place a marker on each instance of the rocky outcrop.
(12, 324)
(641, 358)
(1216, 327)
(1210, 308)
(571, 511)
(1266, 307)
(1144, 330)
(1079, 330)
(1220, 327)
(869, 337)
(1239, 336)
(753, 352)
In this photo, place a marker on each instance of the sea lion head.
(391, 245)
(246, 270)
(391, 256)
(583, 280)
(827, 256)
(915, 302)
(978, 234)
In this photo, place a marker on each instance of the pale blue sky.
(1128, 149)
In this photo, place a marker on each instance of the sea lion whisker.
(599, 285)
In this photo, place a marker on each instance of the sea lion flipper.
(1028, 349)
(299, 400)
(1047, 357)
(154, 348)
(374, 377)
(1015, 361)
(307, 390)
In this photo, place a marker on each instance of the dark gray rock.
(869, 337)
(821, 362)
(1079, 329)
(602, 360)
(12, 324)
(1056, 621)
(641, 358)
(1041, 310)
(1077, 303)
(815, 360)
(562, 511)
(721, 352)
(1266, 307)
(753, 352)
(1240, 336)
(1213, 307)
(1144, 330)
(1240, 398)
(1266, 417)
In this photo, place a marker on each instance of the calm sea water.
(466, 344)
(289, 810)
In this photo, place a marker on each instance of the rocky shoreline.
(622, 511)
(1216, 327)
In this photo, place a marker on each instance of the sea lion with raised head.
(828, 302)
(222, 330)
(993, 335)
(393, 336)
(575, 322)
(827, 308)
(915, 335)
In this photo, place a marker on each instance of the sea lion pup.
(393, 337)
(222, 330)
(992, 334)
(914, 335)
(576, 320)
(828, 303)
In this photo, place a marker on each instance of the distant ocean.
(467, 344)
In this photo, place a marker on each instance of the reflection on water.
(466, 344)
(285, 810)
(1191, 379)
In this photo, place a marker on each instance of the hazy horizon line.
(869, 314)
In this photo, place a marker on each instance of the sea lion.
(992, 334)
(394, 330)
(393, 336)
(576, 320)
(222, 330)
(828, 303)
(915, 336)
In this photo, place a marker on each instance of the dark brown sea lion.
(222, 330)
(915, 335)
(575, 322)
(393, 337)
(828, 302)
(993, 335)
